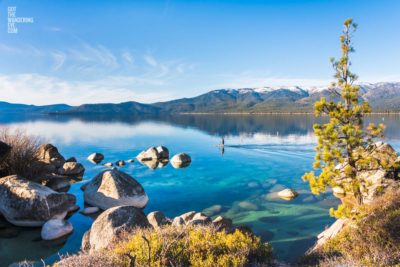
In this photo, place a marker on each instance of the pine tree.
(343, 142)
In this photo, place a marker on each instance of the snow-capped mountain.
(383, 97)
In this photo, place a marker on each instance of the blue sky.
(100, 51)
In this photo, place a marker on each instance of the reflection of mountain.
(218, 125)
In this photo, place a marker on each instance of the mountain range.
(383, 97)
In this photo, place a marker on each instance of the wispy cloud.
(40, 89)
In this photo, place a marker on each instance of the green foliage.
(344, 140)
(200, 246)
(193, 246)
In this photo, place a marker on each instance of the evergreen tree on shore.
(343, 142)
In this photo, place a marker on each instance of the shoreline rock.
(113, 188)
(56, 228)
(26, 203)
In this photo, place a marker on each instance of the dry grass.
(375, 241)
(173, 246)
(22, 157)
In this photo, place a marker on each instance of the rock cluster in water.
(44, 201)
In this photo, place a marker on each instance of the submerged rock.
(56, 228)
(120, 163)
(109, 226)
(26, 203)
(89, 210)
(154, 163)
(96, 158)
(71, 168)
(108, 164)
(181, 160)
(287, 194)
(113, 188)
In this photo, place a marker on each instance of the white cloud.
(127, 56)
(41, 90)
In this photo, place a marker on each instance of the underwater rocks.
(181, 160)
(56, 228)
(287, 194)
(96, 158)
(113, 188)
(26, 203)
(111, 224)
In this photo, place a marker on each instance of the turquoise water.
(263, 154)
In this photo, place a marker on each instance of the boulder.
(221, 223)
(149, 154)
(178, 221)
(157, 219)
(120, 163)
(163, 152)
(287, 194)
(329, 233)
(89, 210)
(113, 188)
(109, 226)
(199, 219)
(49, 154)
(95, 158)
(56, 228)
(71, 168)
(188, 216)
(4, 150)
(26, 203)
(130, 161)
(56, 182)
(181, 160)
(108, 164)
(71, 159)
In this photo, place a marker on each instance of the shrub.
(373, 241)
(188, 246)
(22, 158)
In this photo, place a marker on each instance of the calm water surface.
(263, 154)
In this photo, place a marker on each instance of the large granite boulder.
(26, 203)
(113, 188)
(181, 160)
(56, 228)
(49, 154)
(376, 176)
(4, 150)
(109, 226)
(71, 169)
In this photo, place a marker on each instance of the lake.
(263, 154)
